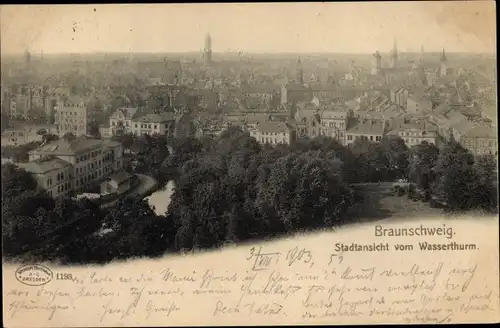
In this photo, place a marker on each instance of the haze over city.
(251, 28)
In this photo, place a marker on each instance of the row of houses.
(26, 101)
(348, 126)
(339, 123)
(139, 121)
(22, 134)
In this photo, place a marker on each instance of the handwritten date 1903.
(299, 255)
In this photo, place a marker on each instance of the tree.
(50, 137)
(16, 181)
(127, 140)
(422, 159)
(486, 182)
(69, 136)
(4, 120)
(300, 190)
(94, 129)
(397, 154)
(455, 176)
(232, 224)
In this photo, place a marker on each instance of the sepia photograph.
(249, 164)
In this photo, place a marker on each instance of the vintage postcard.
(249, 164)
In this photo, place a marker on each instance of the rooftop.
(156, 118)
(333, 114)
(367, 127)
(456, 117)
(257, 118)
(73, 101)
(66, 146)
(322, 87)
(258, 88)
(295, 87)
(126, 111)
(273, 127)
(41, 166)
(482, 132)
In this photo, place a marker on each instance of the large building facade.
(73, 116)
(66, 166)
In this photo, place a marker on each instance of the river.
(160, 199)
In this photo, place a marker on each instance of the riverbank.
(145, 185)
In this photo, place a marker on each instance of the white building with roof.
(480, 140)
(272, 132)
(90, 160)
(414, 134)
(120, 122)
(372, 130)
(163, 124)
(334, 123)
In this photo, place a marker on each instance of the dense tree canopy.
(231, 189)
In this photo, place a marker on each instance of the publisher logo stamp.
(34, 275)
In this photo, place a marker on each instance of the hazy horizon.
(19, 54)
(350, 28)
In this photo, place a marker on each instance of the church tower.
(444, 62)
(27, 60)
(376, 63)
(207, 52)
(394, 55)
(300, 73)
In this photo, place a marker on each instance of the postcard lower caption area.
(351, 276)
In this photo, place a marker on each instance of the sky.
(349, 27)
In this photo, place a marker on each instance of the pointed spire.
(395, 49)
(300, 73)
(443, 56)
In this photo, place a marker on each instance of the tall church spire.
(444, 68)
(443, 56)
(27, 59)
(300, 72)
(207, 52)
(394, 54)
